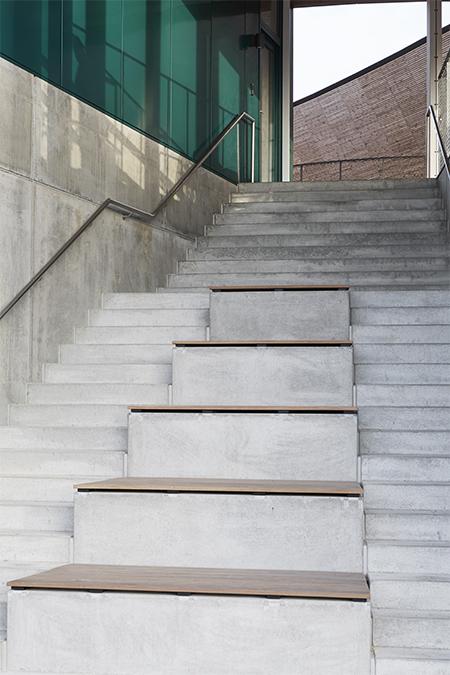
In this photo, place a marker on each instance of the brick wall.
(375, 119)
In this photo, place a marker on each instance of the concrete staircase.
(389, 241)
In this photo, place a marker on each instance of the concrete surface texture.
(218, 530)
(73, 428)
(266, 375)
(279, 315)
(59, 159)
(193, 634)
(243, 445)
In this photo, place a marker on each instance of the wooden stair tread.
(280, 287)
(219, 485)
(262, 343)
(201, 581)
(297, 409)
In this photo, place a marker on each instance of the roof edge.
(367, 69)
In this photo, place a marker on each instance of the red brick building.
(369, 125)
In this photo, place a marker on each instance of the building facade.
(369, 125)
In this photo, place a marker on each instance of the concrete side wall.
(59, 158)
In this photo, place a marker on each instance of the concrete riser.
(411, 559)
(153, 301)
(403, 468)
(149, 317)
(113, 354)
(309, 264)
(423, 595)
(425, 496)
(406, 666)
(413, 631)
(217, 530)
(396, 442)
(271, 446)
(194, 634)
(263, 376)
(395, 525)
(280, 315)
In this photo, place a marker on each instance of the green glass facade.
(177, 70)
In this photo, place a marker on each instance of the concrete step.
(251, 634)
(407, 316)
(127, 394)
(153, 301)
(407, 373)
(269, 375)
(401, 334)
(419, 592)
(35, 546)
(143, 335)
(405, 468)
(402, 495)
(335, 206)
(404, 442)
(324, 237)
(193, 529)
(243, 445)
(414, 524)
(308, 264)
(320, 186)
(403, 395)
(62, 439)
(420, 630)
(342, 195)
(403, 353)
(417, 220)
(408, 557)
(41, 488)
(240, 253)
(280, 314)
(400, 299)
(397, 661)
(149, 317)
(116, 354)
(108, 373)
(39, 516)
(68, 415)
(358, 279)
(18, 462)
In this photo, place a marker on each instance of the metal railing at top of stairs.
(145, 216)
(432, 116)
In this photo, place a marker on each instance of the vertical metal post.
(253, 150)
(286, 91)
(434, 61)
(238, 156)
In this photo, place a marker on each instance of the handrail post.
(253, 150)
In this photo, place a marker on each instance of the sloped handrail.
(145, 216)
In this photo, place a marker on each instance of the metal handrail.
(129, 211)
(432, 115)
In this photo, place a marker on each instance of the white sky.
(331, 43)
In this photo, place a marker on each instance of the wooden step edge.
(199, 581)
(242, 409)
(224, 486)
(262, 343)
(278, 287)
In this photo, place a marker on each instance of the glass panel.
(178, 70)
(30, 35)
(92, 52)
